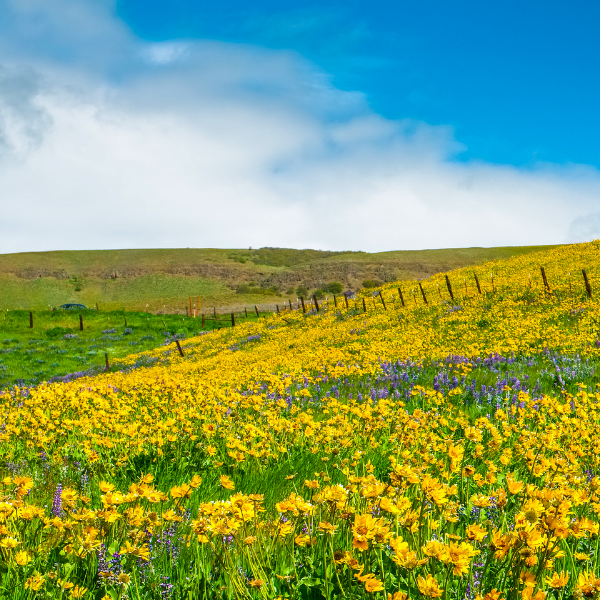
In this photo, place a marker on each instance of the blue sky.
(518, 81)
(380, 126)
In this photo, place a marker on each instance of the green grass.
(163, 279)
(56, 346)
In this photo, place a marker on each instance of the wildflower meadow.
(432, 439)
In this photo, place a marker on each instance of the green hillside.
(162, 279)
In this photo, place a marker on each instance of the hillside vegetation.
(438, 439)
(161, 280)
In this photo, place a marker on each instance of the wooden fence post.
(107, 367)
(316, 303)
(125, 321)
(477, 282)
(423, 293)
(493, 286)
(246, 311)
(364, 305)
(203, 320)
(215, 312)
(179, 348)
(303, 307)
(346, 299)
(401, 297)
(439, 291)
(466, 288)
(449, 285)
(588, 287)
(291, 307)
(277, 305)
(545, 279)
(97, 306)
(232, 320)
(256, 309)
(570, 286)
(30, 320)
(80, 322)
(335, 301)
(382, 300)
(191, 311)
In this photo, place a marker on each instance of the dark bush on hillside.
(301, 291)
(319, 293)
(57, 332)
(335, 287)
(372, 283)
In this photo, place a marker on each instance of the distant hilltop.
(161, 279)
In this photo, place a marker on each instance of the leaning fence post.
(449, 285)
(179, 348)
(423, 293)
(316, 303)
(401, 297)
(545, 279)
(256, 309)
(477, 282)
(303, 307)
(588, 287)
(382, 300)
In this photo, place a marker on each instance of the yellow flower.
(9, 542)
(556, 581)
(429, 587)
(327, 527)
(373, 585)
(227, 483)
(78, 592)
(476, 532)
(22, 558)
(35, 582)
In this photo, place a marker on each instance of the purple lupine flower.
(57, 510)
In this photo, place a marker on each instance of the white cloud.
(211, 144)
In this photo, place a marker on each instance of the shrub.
(335, 287)
(319, 293)
(372, 283)
(301, 291)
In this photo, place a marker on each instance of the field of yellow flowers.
(440, 440)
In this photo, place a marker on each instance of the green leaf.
(310, 582)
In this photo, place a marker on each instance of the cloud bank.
(107, 141)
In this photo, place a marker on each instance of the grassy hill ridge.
(161, 279)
